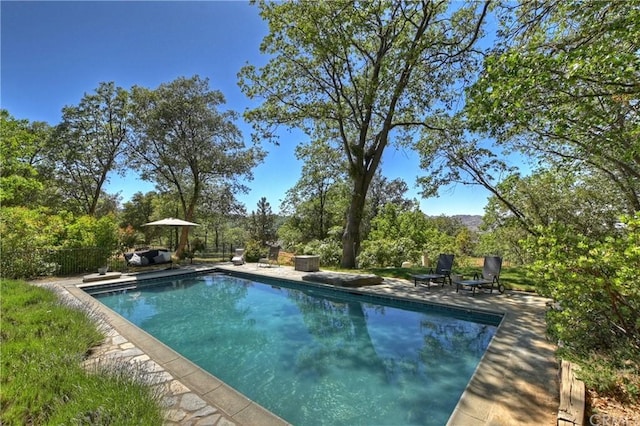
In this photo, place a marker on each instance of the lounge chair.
(238, 258)
(490, 276)
(442, 272)
(272, 257)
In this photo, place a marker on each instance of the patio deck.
(516, 381)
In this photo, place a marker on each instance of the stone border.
(190, 395)
(516, 381)
(182, 406)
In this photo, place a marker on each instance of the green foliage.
(87, 231)
(20, 144)
(405, 235)
(43, 343)
(596, 284)
(24, 233)
(89, 144)
(291, 235)
(139, 211)
(254, 251)
(263, 223)
(361, 76)
(329, 250)
(388, 252)
(314, 203)
(208, 150)
(586, 121)
(30, 236)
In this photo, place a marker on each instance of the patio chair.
(490, 276)
(272, 257)
(238, 258)
(442, 272)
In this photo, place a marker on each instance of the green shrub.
(254, 251)
(388, 252)
(33, 240)
(596, 286)
(329, 250)
(24, 232)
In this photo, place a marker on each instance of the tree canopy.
(560, 88)
(360, 75)
(88, 145)
(183, 142)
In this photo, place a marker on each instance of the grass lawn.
(42, 346)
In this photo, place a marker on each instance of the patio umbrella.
(170, 221)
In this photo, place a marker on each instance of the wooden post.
(572, 396)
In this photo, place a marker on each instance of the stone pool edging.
(516, 380)
(515, 383)
(190, 395)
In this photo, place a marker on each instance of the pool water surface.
(314, 357)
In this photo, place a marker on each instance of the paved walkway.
(515, 383)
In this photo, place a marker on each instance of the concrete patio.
(515, 383)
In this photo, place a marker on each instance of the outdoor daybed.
(148, 257)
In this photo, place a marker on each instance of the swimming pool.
(313, 356)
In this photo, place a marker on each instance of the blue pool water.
(314, 357)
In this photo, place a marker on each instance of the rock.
(344, 280)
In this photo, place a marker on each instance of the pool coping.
(515, 381)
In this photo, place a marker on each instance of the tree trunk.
(351, 235)
(184, 237)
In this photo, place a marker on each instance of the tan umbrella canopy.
(170, 221)
(173, 222)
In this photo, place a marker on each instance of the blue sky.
(55, 52)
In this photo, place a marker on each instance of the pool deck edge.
(235, 407)
(515, 382)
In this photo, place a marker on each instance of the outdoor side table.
(307, 263)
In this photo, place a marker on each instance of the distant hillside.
(472, 222)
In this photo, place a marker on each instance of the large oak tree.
(361, 75)
(88, 144)
(184, 143)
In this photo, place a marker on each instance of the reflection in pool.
(315, 357)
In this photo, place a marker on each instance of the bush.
(24, 232)
(329, 250)
(254, 251)
(596, 284)
(387, 252)
(33, 242)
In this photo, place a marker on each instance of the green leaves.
(185, 144)
(21, 146)
(596, 283)
(356, 73)
(564, 90)
(89, 144)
